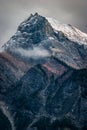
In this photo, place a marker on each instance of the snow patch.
(51, 38)
(69, 31)
(54, 23)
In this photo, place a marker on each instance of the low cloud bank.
(35, 53)
(1, 49)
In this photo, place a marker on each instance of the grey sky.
(12, 12)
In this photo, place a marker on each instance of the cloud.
(1, 50)
(35, 53)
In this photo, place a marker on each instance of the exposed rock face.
(43, 77)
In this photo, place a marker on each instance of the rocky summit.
(43, 77)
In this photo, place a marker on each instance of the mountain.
(43, 77)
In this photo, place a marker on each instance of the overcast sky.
(13, 12)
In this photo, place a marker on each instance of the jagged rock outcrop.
(43, 77)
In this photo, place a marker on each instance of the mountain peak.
(33, 20)
(37, 28)
(33, 30)
(59, 40)
(35, 14)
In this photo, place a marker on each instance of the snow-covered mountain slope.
(71, 32)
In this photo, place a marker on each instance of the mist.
(35, 53)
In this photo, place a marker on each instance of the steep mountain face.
(43, 77)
